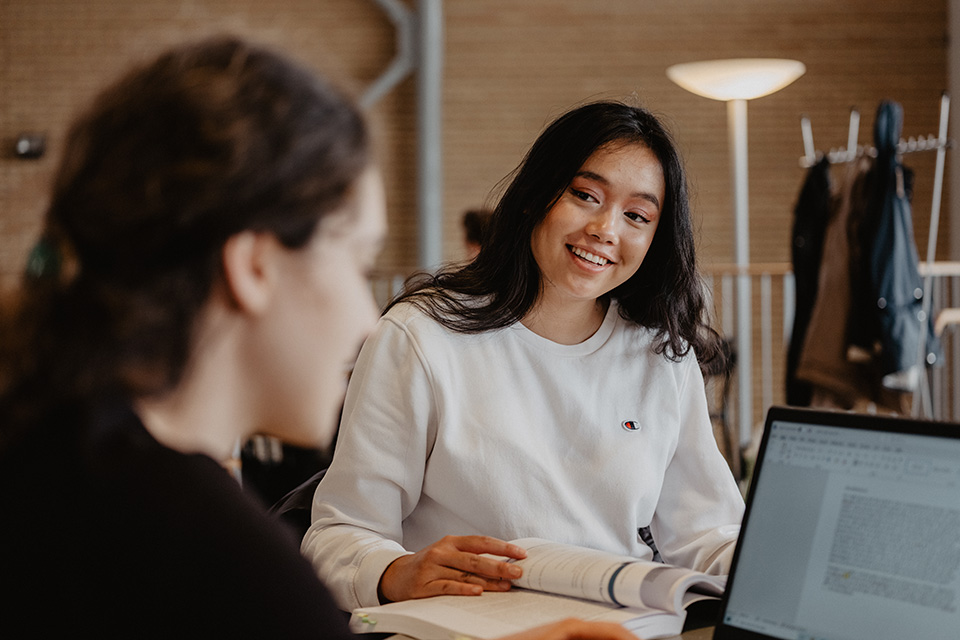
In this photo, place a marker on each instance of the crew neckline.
(591, 344)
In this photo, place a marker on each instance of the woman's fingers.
(464, 554)
(452, 566)
(488, 584)
(486, 544)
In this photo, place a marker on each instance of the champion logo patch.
(630, 425)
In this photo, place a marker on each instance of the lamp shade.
(736, 79)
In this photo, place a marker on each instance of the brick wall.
(509, 68)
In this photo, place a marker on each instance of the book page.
(661, 586)
(568, 570)
(490, 615)
(606, 577)
(437, 618)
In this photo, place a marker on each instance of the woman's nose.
(602, 226)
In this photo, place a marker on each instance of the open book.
(559, 581)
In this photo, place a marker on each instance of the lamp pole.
(735, 81)
(737, 132)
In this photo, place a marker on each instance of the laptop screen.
(852, 531)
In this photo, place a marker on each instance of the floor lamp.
(734, 82)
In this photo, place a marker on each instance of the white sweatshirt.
(508, 434)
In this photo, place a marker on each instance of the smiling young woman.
(548, 388)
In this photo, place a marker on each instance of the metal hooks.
(853, 151)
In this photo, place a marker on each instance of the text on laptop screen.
(852, 533)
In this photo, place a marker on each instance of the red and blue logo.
(630, 425)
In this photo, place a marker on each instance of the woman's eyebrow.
(590, 175)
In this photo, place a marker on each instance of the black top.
(106, 531)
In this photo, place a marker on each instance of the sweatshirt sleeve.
(697, 518)
(375, 479)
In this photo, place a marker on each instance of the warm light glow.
(736, 79)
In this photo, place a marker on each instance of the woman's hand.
(451, 566)
(573, 629)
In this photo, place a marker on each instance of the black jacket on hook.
(810, 217)
(889, 256)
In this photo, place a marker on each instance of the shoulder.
(220, 543)
(161, 535)
(637, 341)
(639, 337)
(405, 313)
(412, 317)
(188, 504)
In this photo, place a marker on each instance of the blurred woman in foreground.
(200, 278)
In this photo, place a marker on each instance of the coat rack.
(852, 151)
(940, 143)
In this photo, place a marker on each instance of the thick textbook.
(559, 581)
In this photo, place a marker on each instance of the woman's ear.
(249, 269)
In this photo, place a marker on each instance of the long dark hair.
(503, 283)
(208, 140)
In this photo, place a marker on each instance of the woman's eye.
(635, 216)
(583, 195)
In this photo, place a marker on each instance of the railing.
(772, 307)
(773, 312)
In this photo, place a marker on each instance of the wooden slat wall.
(510, 67)
(56, 54)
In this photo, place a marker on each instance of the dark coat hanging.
(893, 305)
(810, 217)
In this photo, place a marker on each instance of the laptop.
(851, 531)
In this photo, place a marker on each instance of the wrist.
(383, 599)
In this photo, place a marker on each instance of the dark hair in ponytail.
(209, 140)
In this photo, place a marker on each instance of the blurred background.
(502, 70)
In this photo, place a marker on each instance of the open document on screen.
(853, 533)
